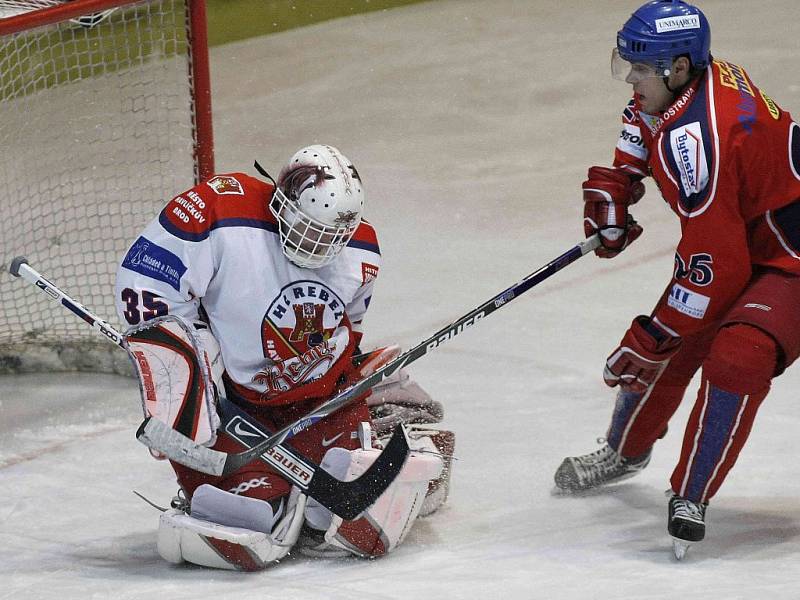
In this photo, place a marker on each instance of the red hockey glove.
(607, 194)
(641, 356)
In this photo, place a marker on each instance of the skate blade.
(680, 547)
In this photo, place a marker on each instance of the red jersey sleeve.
(631, 153)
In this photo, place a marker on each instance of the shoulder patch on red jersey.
(365, 238)
(234, 200)
(225, 184)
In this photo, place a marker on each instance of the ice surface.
(472, 124)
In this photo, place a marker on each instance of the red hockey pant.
(756, 340)
(259, 480)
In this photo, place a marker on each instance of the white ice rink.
(472, 124)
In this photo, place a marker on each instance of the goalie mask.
(318, 203)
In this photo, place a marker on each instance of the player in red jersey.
(245, 299)
(726, 159)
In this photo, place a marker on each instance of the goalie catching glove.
(397, 399)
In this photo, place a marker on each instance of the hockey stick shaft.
(20, 268)
(236, 461)
(346, 499)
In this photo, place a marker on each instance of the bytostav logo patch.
(690, 156)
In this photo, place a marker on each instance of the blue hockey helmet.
(660, 31)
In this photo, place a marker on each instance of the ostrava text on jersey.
(286, 332)
(726, 158)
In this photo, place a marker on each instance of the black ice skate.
(686, 524)
(601, 467)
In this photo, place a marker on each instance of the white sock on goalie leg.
(224, 508)
(225, 541)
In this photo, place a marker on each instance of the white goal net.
(100, 125)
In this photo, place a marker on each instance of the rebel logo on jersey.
(307, 322)
(296, 335)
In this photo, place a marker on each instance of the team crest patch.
(368, 272)
(304, 314)
(225, 184)
(307, 321)
(296, 335)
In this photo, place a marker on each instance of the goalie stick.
(347, 499)
(20, 268)
(214, 462)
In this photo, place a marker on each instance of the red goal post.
(105, 114)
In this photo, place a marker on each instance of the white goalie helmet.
(318, 203)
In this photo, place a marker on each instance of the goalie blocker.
(253, 517)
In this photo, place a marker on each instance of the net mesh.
(96, 131)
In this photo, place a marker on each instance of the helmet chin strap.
(674, 92)
(263, 171)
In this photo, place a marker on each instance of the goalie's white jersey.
(213, 254)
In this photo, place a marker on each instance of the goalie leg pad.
(189, 538)
(174, 361)
(437, 442)
(384, 525)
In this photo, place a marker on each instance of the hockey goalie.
(245, 300)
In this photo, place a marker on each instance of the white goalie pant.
(384, 525)
(227, 531)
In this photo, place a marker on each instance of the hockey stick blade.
(162, 438)
(347, 499)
